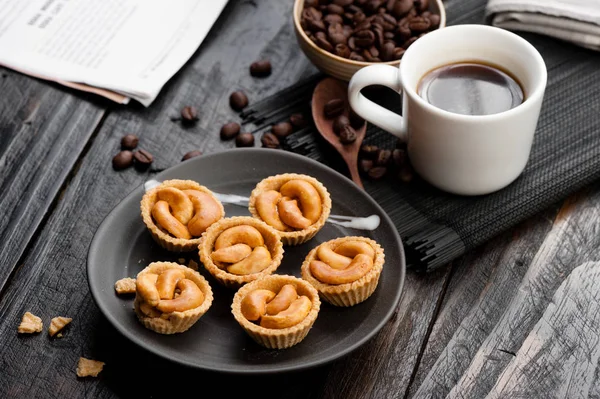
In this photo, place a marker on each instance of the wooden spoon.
(326, 90)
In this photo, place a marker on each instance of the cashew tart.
(171, 298)
(276, 311)
(177, 212)
(346, 270)
(240, 249)
(296, 205)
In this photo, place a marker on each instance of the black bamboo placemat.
(437, 227)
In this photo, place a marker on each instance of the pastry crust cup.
(296, 237)
(277, 338)
(163, 238)
(175, 322)
(349, 294)
(235, 281)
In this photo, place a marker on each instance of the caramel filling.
(343, 264)
(241, 250)
(185, 213)
(296, 206)
(276, 310)
(167, 292)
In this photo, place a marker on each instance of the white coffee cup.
(461, 154)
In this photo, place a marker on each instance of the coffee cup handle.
(385, 75)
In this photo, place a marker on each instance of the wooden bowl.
(336, 66)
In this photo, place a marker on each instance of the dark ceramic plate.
(122, 247)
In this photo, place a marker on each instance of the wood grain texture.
(43, 130)
(495, 305)
(52, 280)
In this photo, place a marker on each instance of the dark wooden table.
(517, 317)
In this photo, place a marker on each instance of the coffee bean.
(333, 108)
(342, 50)
(260, 68)
(359, 29)
(406, 174)
(129, 142)
(298, 121)
(383, 157)
(365, 165)
(244, 140)
(339, 123)
(368, 151)
(269, 140)
(402, 7)
(229, 130)
(238, 100)
(377, 172)
(122, 160)
(189, 114)
(419, 25)
(191, 154)
(347, 135)
(142, 159)
(282, 129)
(399, 156)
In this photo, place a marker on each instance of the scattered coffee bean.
(244, 140)
(383, 157)
(377, 172)
(282, 129)
(399, 156)
(129, 142)
(333, 108)
(191, 154)
(260, 68)
(367, 30)
(142, 159)
(339, 123)
(347, 135)
(229, 130)
(122, 160)
(189, 114)
(238, 100)
(269, 140)
(405, 174)
(298, 121)
(365, 165)
(368, 151)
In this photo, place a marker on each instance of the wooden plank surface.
(52, 280)
(501, 309)
(43, 131)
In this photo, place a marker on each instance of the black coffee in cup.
(471, 88)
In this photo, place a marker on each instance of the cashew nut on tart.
(345, 270)
(240, 249)
(277, 311)
(177, 212)
(294, 204)
(170, 297)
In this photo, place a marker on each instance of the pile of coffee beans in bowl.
(367, 30)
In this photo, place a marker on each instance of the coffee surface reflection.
(471, 88)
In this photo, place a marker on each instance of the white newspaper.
(121, 49)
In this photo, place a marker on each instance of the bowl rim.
(299, 5)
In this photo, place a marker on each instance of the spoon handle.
(353, 168)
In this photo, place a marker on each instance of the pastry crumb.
(30, 324)
(89, 367)
(193, 265)
(57, 324)
(181, 261)
(125, 286)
